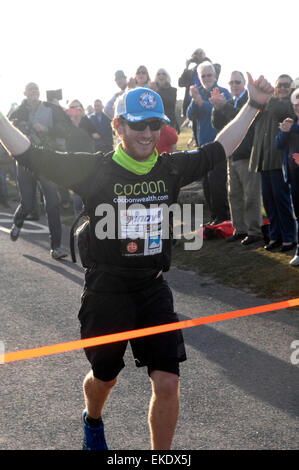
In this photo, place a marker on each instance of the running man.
(124, 286)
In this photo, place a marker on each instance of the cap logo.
(147, 100)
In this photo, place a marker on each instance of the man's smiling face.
(138, 144)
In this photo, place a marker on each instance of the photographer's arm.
(12, 139)
(231, 136)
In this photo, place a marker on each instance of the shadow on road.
(58, 268)
(267, 378)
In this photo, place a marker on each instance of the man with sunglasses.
(124, 286)
(244, 192)
(189, 77)
(200, 108)
(266, 160)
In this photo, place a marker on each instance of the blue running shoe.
(94, 438)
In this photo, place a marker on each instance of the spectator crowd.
(262, 173)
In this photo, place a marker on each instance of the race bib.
(141, 231)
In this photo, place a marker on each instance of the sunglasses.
(154, 125)
(283, 85)
(235, 82)
(208, 75)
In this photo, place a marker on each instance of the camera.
(54, 95)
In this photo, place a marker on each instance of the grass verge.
(252, 268)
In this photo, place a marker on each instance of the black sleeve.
(224, 115)
(195, 164)
(70, 170)
(218, 119)
(186, 78)
(19, 114)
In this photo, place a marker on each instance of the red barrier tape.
(126, 335)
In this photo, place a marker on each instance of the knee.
(108, 385)
(91, 381)
(165, 384)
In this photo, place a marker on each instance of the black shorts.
(106, 313)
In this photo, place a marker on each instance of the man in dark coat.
(102, 124)
(244, 188)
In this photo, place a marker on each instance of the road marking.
(40, 228)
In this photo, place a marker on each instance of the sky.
(78, 45)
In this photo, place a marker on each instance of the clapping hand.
(194, 93)
(153, 86)
(131, 83)
(217, 99)
(286, 125)
(296, 158)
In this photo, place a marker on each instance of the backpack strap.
(72, 234)
(103, 171)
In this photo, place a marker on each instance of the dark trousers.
(278, 206)
(215, 192)
(294, 183)
(27, 192)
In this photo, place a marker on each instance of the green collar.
(127, 162)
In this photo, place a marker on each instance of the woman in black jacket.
(168, 94)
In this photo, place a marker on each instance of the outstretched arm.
(12, 139)
(231, 136)
(65, 169)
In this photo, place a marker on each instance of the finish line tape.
(126, 335)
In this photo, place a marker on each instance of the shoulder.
(86, 123)
(46, 105)
(19, 111)
(106, 118)
(244, 98)
(172, 89)
(103, 163)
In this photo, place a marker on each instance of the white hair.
(166, 73)
(205, 65)
(295, 83)
(295, 96)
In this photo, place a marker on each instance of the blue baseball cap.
(140, 104)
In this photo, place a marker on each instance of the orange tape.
(126, 335)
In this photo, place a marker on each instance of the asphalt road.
(239, 388)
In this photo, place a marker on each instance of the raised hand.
(286, 125)
(259, 90)
(296, 158)
(194, 93)
(131, 83)
(217, 99)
